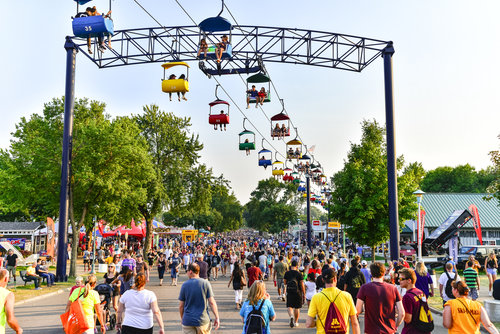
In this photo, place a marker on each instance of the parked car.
(367, 251)
(480, 253)
(406, 251)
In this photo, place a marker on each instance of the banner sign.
(422, 224)
(333, 225)
(51, 240)
(16, 242)
(477, 223)
(453, 248)
(316, 222)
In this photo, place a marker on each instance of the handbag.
(74, 321)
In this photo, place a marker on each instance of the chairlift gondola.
(246, 139)
(172, 84)
(87, 24)
(265, 156)
(278, 167)
(259, 79)
(215, 31)
(220, 118)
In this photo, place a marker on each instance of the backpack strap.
(322, 324)
(468, 311)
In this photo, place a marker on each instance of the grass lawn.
(22, 292)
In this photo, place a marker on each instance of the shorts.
(491, 271)
(132, 330)
(293, 300)
(473, 293)
(85, 261)
(280, 284)
(204, 329)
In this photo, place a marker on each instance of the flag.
(477, 223)
(422, 224)
(51, 240)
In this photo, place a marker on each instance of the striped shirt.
(470, 278)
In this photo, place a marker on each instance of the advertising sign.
(316, 222)
(333, 225)
(16, 242)
(51, 241)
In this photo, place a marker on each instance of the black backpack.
(448, 288)
(255, 323)
(292, 286)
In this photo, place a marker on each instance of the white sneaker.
(296, 324)
(490, 293)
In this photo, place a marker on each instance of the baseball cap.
(364, 263)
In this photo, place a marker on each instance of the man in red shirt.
(380, 301)
(254, 274)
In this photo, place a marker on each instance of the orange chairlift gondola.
(280, 124)
(246, 139)
(265, 156)
(278, 167)
(294, 148)
(220, 118)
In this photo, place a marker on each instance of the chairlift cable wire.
(161, 25)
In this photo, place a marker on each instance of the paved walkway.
(42, 315)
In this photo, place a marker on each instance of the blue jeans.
(35, 279)
(49, 277)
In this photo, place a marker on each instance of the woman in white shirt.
(139, 306)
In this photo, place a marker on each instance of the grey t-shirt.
(195, 293)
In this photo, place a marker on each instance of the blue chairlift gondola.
(88, 26)
(211, 28)
(265, 156)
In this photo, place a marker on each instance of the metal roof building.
(439, 206)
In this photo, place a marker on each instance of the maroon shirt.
(380, 307)
(411, 305)
(253, 275)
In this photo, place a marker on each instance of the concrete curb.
(42, 296)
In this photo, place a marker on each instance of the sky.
(446, 78)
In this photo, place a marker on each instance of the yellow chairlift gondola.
(294, 148)
(174, 84)
(278, 167)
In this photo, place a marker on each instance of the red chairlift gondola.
(220, 118)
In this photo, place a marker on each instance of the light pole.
(419, 193)
(92, 271)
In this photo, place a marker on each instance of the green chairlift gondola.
(246, 139)
(262, 80)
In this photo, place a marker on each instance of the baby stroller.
(105, 292)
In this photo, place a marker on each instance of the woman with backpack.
(239, 281)
(462, 315)
(257, 311)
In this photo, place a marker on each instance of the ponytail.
(89, 285)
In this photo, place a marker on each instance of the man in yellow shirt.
(320, 303)
(7, 305)
(32, 276)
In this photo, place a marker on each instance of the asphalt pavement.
(42, 315)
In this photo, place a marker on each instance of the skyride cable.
(232, 100)
(272, 82)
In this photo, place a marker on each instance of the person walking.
(90, 302)
(258, 299)
(411, 301)
(448, 275)
(138, 306)
(7, 300)
(195, 298)
(490, 263)
(11, 260)
(174, 265)
(162, 265)
(424, 281)
(471, 278)
(239, 281)
(382, 303)
(202, 265)
(462, 315)
(295, 293)
(279, 271)
(254, 273)
(320, 304)
(354, 279)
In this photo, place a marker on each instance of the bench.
(22, 274)
(492, 307)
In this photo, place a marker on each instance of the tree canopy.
(272, 205)
(460, 179)
(359, 198)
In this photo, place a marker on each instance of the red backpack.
(334, 322)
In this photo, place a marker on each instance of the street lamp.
(419, 193)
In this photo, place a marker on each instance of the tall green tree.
(360, 197)
(272, 205)
(179, 186)
(460, 179)
(110, 164)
